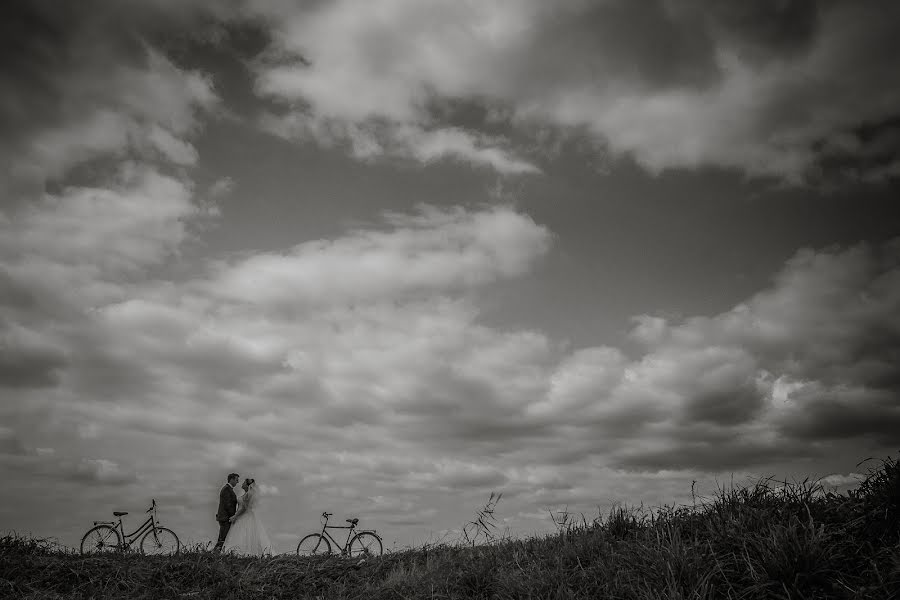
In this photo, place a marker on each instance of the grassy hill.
(761, 541)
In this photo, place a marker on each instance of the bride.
(247, 534)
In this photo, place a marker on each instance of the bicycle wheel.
(162, 541)
(365, 544)
(314, 544)
(100, 540)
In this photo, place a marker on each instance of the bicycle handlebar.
(152, 506)
(326, 514)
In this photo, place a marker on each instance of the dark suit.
(227, 508)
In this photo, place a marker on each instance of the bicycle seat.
(119, 514)
(353, 521)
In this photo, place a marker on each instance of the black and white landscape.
(389, 256)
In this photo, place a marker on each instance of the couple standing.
(240, 529)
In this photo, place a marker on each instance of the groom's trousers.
(224, 526)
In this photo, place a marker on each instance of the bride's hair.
(249, 481)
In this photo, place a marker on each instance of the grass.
(757, 542)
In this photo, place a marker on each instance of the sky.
(388, 257)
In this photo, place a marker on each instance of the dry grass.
(758, 542)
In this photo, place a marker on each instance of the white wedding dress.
(247, 534)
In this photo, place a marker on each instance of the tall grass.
(760, 541)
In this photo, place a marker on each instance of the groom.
(227, 508)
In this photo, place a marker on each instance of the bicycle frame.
(352, 527)
(334, 541)
(130, 538)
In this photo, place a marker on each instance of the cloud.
(176, 150)
(432, 251)
(221, 187)
(65, 258)
(140, 109)
(103, 471)
(792, 90)
(132, 224)
(188, 362)
(85, 83)
(802, 363)
(838, 480)
(369, 141)
(374, 93)
(708, 393)
(44, 462)
(766, 89)
(268, 490)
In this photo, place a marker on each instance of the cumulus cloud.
(375, 94)
(783, 89)
(804, 362)
(135, 222)
(431, 251)
(89, 99)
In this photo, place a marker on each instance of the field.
(760, 541)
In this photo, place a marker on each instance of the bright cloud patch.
(134, 223)
(433, 251)
(375, 92)
(674, 85)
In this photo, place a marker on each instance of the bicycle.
(365, 543)
(110, 536)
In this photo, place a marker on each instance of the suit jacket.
(227, 503)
